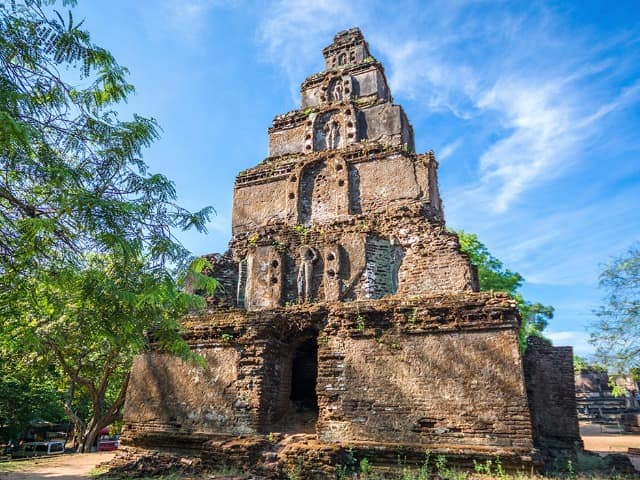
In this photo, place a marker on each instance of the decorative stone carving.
(242, 282)
(341, 186)
(308, 256)
(336, 91)
(332, 272)
(263, 278)
(348, 48)
(332, 129)
(397, 254)
(275, 277)
(327, 131)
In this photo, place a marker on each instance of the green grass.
(99, 470)
(452, 475)
(586, 468)
(100, 473)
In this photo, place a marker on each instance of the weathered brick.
(349, 314)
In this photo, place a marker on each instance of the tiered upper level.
(342, 209)
(347, 151)
(348, 103)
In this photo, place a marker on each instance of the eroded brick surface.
(551, 392)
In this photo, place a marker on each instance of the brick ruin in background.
(349, 315)
(597, 403)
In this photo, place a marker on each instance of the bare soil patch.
(63, 467)
(608, 439)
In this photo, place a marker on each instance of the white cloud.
(627, 96)
(579, 340)
(543, 120)
(548, 125)
(295, 31)
(189, 17)
(417, 71)
(541, 123)
(449, 149)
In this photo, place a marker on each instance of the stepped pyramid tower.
(349, 315)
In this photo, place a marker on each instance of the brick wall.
(551, 392)
(400, 252)
(436, 370)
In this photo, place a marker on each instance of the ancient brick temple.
(348, 312)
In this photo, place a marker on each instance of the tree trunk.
(101, 418)
(89, 437)
(78, 424)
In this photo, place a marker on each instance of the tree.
(25, 397)
(73, 179)
(88, 259)
(616, 332)
(582, 364)
(91, 320)
(579, 364)
(493, 275)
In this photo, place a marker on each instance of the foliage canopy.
(88, 259)
(493, 275)
(616, 333)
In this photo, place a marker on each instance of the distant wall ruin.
(551, 392)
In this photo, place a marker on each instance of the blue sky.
(532, 108)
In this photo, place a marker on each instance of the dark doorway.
(300, 402)
(296, 410)
(304, 376)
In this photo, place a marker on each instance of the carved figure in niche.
(326, 131)
(308, 256)
(342, 59)
(332, 130)
(242, 282)
(397, 255)
(335, 94)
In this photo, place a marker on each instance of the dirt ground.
(604, 439)
(64, 467)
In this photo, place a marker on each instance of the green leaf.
(87, 244)
(493, 276)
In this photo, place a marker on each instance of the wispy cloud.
(189, 17)
(417, 71)
(579, 340)
(541, 125)
(449, 149)
(547, 127)
(541, 115)
(294, 32)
